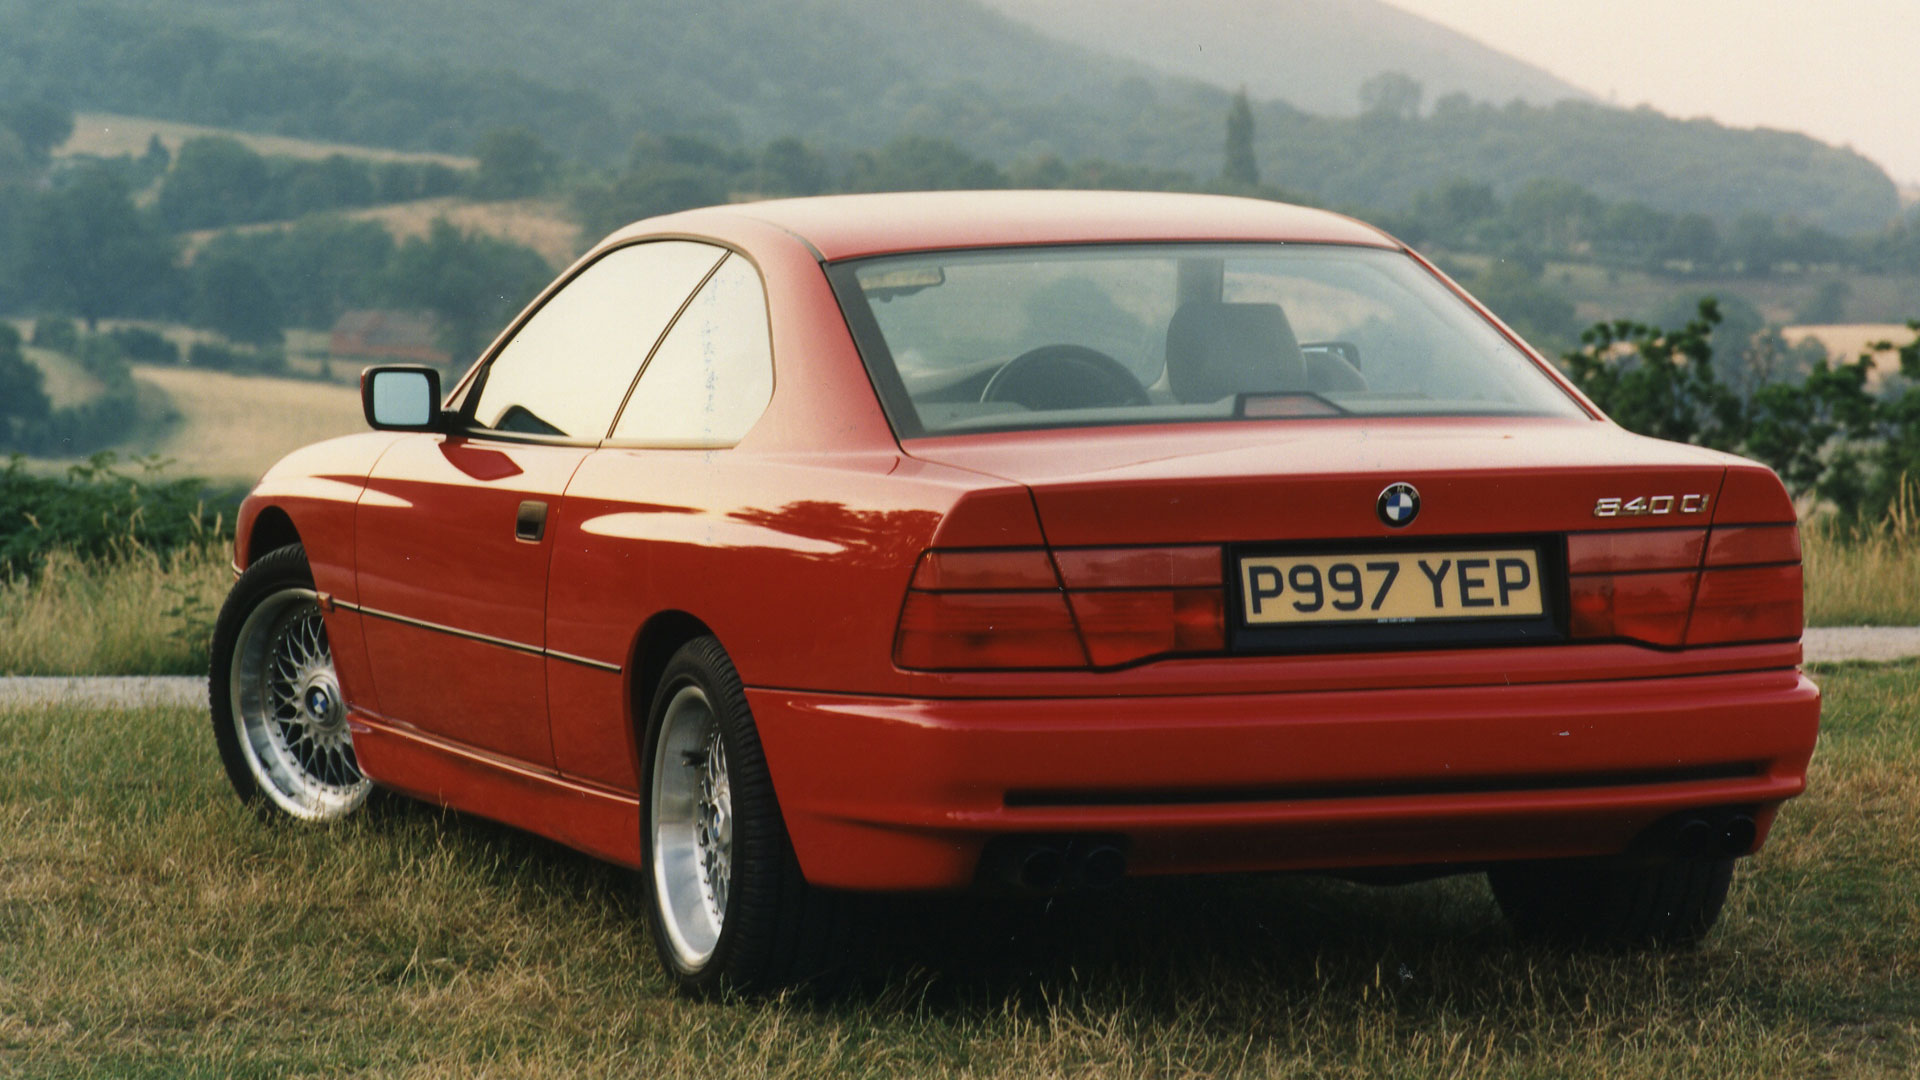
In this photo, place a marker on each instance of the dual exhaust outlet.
(1045, 865)
(1706, 834)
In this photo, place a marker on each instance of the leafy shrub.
(1828, 433)
(99, 510)
(144, 346)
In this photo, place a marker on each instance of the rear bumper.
(890, 793)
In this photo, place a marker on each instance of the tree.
(23, 396)
(1555, 216)
(921, 163)
(1456, 213)
(157, 157)
(1828, 304)
(1695, 241)
(215, 180)
(85, 249)
(644, 192)
(233, 297)
(473, 282)
(513, 164)
(791, 167)
(39, 125)
(1536, 311)
(1240, 169)
(1392, 95)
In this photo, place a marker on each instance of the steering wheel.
(1064, 377)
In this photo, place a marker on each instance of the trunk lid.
(1322, 479)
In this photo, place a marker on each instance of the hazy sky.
(1843, 71)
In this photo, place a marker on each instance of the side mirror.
(401, 397)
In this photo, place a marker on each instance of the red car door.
(660, 486)
(452, 534)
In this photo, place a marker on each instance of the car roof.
(852, 226)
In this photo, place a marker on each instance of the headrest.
(1215, 350)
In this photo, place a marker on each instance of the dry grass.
(150, 926)
(232, 427)
(140, 614)
(541, 224)
(111, 134)
(67, 383)
(1866, 580)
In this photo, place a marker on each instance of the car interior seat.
(1216, 350)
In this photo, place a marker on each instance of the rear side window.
(565, 371)
(712, 376)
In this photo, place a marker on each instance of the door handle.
(530, 524)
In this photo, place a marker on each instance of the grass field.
(112, 134)
(229, 428)
(541, 224)
(232, 426)
(149, 926)
(141, 614)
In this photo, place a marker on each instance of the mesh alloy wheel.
(279, 716)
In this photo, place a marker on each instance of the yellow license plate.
(1391, 587)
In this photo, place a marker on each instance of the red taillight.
(1676, 587)
(1140, 568)
(1120, 627)
(1753, 545)
(1006, 608)
(1640, 549)
(1648, 607)
(955, 571)
(955, 631)
(1754, 603)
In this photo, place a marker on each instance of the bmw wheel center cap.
(1398, 505)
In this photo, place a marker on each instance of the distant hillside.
(850, 74)
(1312, 54)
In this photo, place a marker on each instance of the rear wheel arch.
(659, 638)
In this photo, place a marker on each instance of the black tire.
(774, 929)
(1603, 904)
(283, 741)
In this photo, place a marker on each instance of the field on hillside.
(1606, 293)
(541, 224)
(67, 383)
(232, 427)
(112, 134)
(228, 428)
(154, 927)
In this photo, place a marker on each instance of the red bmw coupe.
(1025, 541)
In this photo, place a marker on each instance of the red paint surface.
(798, 547)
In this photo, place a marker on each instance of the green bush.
(100, 509)
(1828, 433)
(145, 346)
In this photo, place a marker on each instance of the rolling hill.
(852, 74)
(1312, 54)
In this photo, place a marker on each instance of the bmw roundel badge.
(1399, 505)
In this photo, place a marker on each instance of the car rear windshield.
(960, 341)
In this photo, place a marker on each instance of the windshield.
(1125, 334)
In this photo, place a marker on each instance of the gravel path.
(1823, 645)
(121, 691)
(1826, 644)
